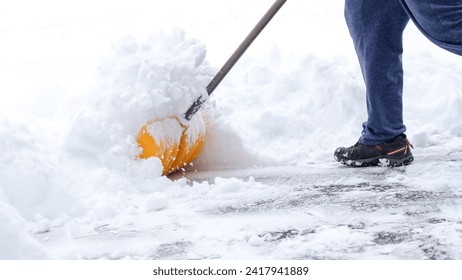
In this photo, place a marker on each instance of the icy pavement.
(311, 211)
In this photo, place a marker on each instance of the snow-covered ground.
(79, 79)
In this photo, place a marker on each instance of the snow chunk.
(156, 202)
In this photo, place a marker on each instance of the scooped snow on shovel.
(173, 140)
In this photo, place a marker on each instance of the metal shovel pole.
(235, 57)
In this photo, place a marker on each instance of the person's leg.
(376, 27)
(439, 20)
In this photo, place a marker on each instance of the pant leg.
(376, 27)
(439, 20)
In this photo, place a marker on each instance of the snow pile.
(290, 110)
(23, 185)
(433, 99)
(15, 241)
(48, 177)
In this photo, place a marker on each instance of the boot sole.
(379, 161)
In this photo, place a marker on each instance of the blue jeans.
(376, 27)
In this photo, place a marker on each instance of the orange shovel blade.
(174, 144)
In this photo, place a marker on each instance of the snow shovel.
(173, 140)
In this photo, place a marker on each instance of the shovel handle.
(235, 57)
